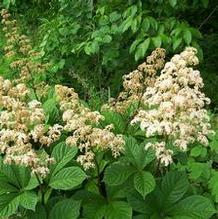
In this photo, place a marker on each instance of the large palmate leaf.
(95, 208)
(193, 207)
(136, 153)
(8, 204)
(62, 155)
(69, 209)
(115, 119)
(117, 173)
(118, 209)
(67, 178)
(173, 186)
(144, 182)
(28, 200)
(213, 185)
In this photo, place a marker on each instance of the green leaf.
(94, 45)
(126, 24)
(133, 45)
(118, 209)
(142, 49)
(196, 151)
(139, 204)
(134, 25)
(146, 24)
(194, 207)
(6, 188)
(176, 43)
(28, 200)
(51, 111)
(117, 173)
(114, 16)
(144, 183)
(173, 186)
(198, 170)
(116, 119)
(136, 154)
(39, 213)
(8, 204)
(173, 3)
(68, 208)
(62, 154)
(15, 175)
(187, 36)
(32, 184)
(213, 185)
(67, 178)
(157, 41)
(95, 208)
(107, 39)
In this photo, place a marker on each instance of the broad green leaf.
(144, 182)
(117, 173)
(198, 170)
(28, 200)
(126, 24)
(157, 41)
(39, 213)
(146, 24)
(95, 208)
(142, 49)
(115, 119)
(134, 25)
(68, 208)
(187, 36)
(32, 184)
(136, 154)
(173, 186)
(13, 175)
(114, 16)
(140, 205)
(6, 187)
(196, 151)
(8, 204)
(62, 154)
(67, 178)
(51, 111)
(213, 185)
(118, 209)
(194, 207)
(176, 43)
(134, 45)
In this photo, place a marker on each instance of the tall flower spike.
(135, 82)
(81, 123)
(176, 107)
(23, 129)
(25, 59)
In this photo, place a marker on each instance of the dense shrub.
(148, 152)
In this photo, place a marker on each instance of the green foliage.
(67, 178)
(68, 208)
(83, 37)
(90, 45)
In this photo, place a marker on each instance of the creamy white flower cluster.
(175, 107)
(23, 130)
(19, 47)
(82, 124)
(135, 83)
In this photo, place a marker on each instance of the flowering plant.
(147, 154)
